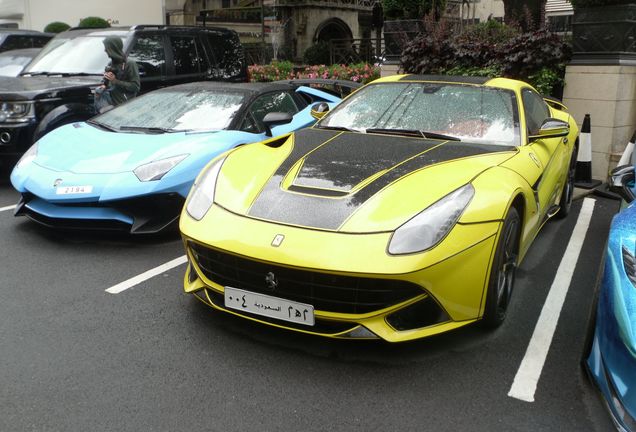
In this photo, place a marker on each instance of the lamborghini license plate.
(70, 190)
(269, 306)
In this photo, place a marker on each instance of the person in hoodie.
(121, 79)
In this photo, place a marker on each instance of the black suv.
(56, 88)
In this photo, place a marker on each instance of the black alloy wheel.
(502, 274)
(565, 203)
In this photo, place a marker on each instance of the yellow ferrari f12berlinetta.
(401, 214)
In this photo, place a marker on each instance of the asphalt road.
(76, 358)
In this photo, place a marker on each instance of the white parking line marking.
(11, 207)
(525, 383)
(123, 286)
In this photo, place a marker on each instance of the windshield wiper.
(435, 135)
(155, 130)
(340, 128)
(101, 125)
(62, 74)
(34, 74)
(196, 131)
(413, 132)
(68, 74)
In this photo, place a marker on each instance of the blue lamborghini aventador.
(132, 167)
(611, 362)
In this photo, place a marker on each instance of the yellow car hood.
(347, 181)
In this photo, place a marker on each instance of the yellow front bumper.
(454, 274)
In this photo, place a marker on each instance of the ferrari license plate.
(269, 306)
(70, 190)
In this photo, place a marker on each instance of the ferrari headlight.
(155, 170)
(202, 194)
(28, 156)
(17, 111)
(431, 225)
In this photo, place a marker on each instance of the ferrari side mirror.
(552, 128)
(318, 110)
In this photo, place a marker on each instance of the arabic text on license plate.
(68, 190)
(269, 306)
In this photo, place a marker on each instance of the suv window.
(187, 55)
(228, 53)
(536, 110)
(149, 54)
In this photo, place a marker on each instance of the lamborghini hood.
(349, 182)
(83, 149)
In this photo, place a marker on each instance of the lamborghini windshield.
(466, 112)
(174, 111)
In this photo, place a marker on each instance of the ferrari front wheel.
(502, 273)
(565, 204)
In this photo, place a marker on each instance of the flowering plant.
(360, 72)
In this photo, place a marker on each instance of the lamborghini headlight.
(629, 263)
(28, 156)
(429, 227)
(16, 112)
(202, 194)
(155, 170)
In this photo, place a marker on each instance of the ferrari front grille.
(326, 292)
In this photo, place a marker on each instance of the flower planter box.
(604, 35)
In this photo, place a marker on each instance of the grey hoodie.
(126, 85)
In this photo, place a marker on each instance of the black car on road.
(56, 88)
(12, 39)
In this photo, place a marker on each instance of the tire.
(502, 273)
(565, 203)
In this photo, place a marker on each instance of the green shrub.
(486, 71)
(317, 53)
(491, 50)
(411, 9)
(430, 52)
(547, 80)
(528, 53)
(56, 27)
(491, 32)
(93, 22)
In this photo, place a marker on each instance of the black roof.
(447, 78)
(250, 87)
(124, 30)
(78, 31)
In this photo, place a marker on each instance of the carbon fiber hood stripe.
(324, 193)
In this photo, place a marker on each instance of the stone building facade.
(294, 25)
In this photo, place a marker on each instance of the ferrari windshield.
(470, 113)
(78, 55)
(175, 110)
